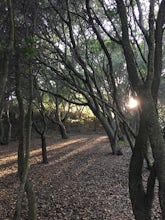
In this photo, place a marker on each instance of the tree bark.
(137, 193)
(158, 149)
(149, 123)
(110, 131)
(61, 126)
(62, 130)
(31, 200)
(4, 69)
(44, 151)
(23, 148)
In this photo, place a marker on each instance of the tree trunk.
(110, 131)
(158, 149)
(58, 120)
(4, 69)
(4, 66)
(147, 156)
(137, 193)
(6, 130)
(1, 131)
(148, 128)
(31, 200)
(23, 148)
(41, 130)
(62, 130)
(44, 151)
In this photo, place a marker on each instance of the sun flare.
(133, 103)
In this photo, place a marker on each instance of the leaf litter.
(82, 180)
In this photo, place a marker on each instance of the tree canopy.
(96, 54)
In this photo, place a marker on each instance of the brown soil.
(81, 181)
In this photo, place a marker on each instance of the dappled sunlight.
(66, 166)
(67, 142)
(7, 171)
(64, 163)
(85, 147)
(6, 159)
(8, 164)
(58, 145)
(73, 167)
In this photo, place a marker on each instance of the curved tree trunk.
(147, 91)
(137, 193)
(158, 149)
(61, 126)
(62, 130)
(141, 201)
(110, 131)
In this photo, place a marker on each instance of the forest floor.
(82, 181)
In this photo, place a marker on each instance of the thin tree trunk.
(28, 127)
(23, 149)
(59, 122)
(44, 151)
(41, 132)
(7, 53)
(110, 131)
(62, 130)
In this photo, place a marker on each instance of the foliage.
(87, 58)
(28, 48)
(161, 110)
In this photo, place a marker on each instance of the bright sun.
(133, 103)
